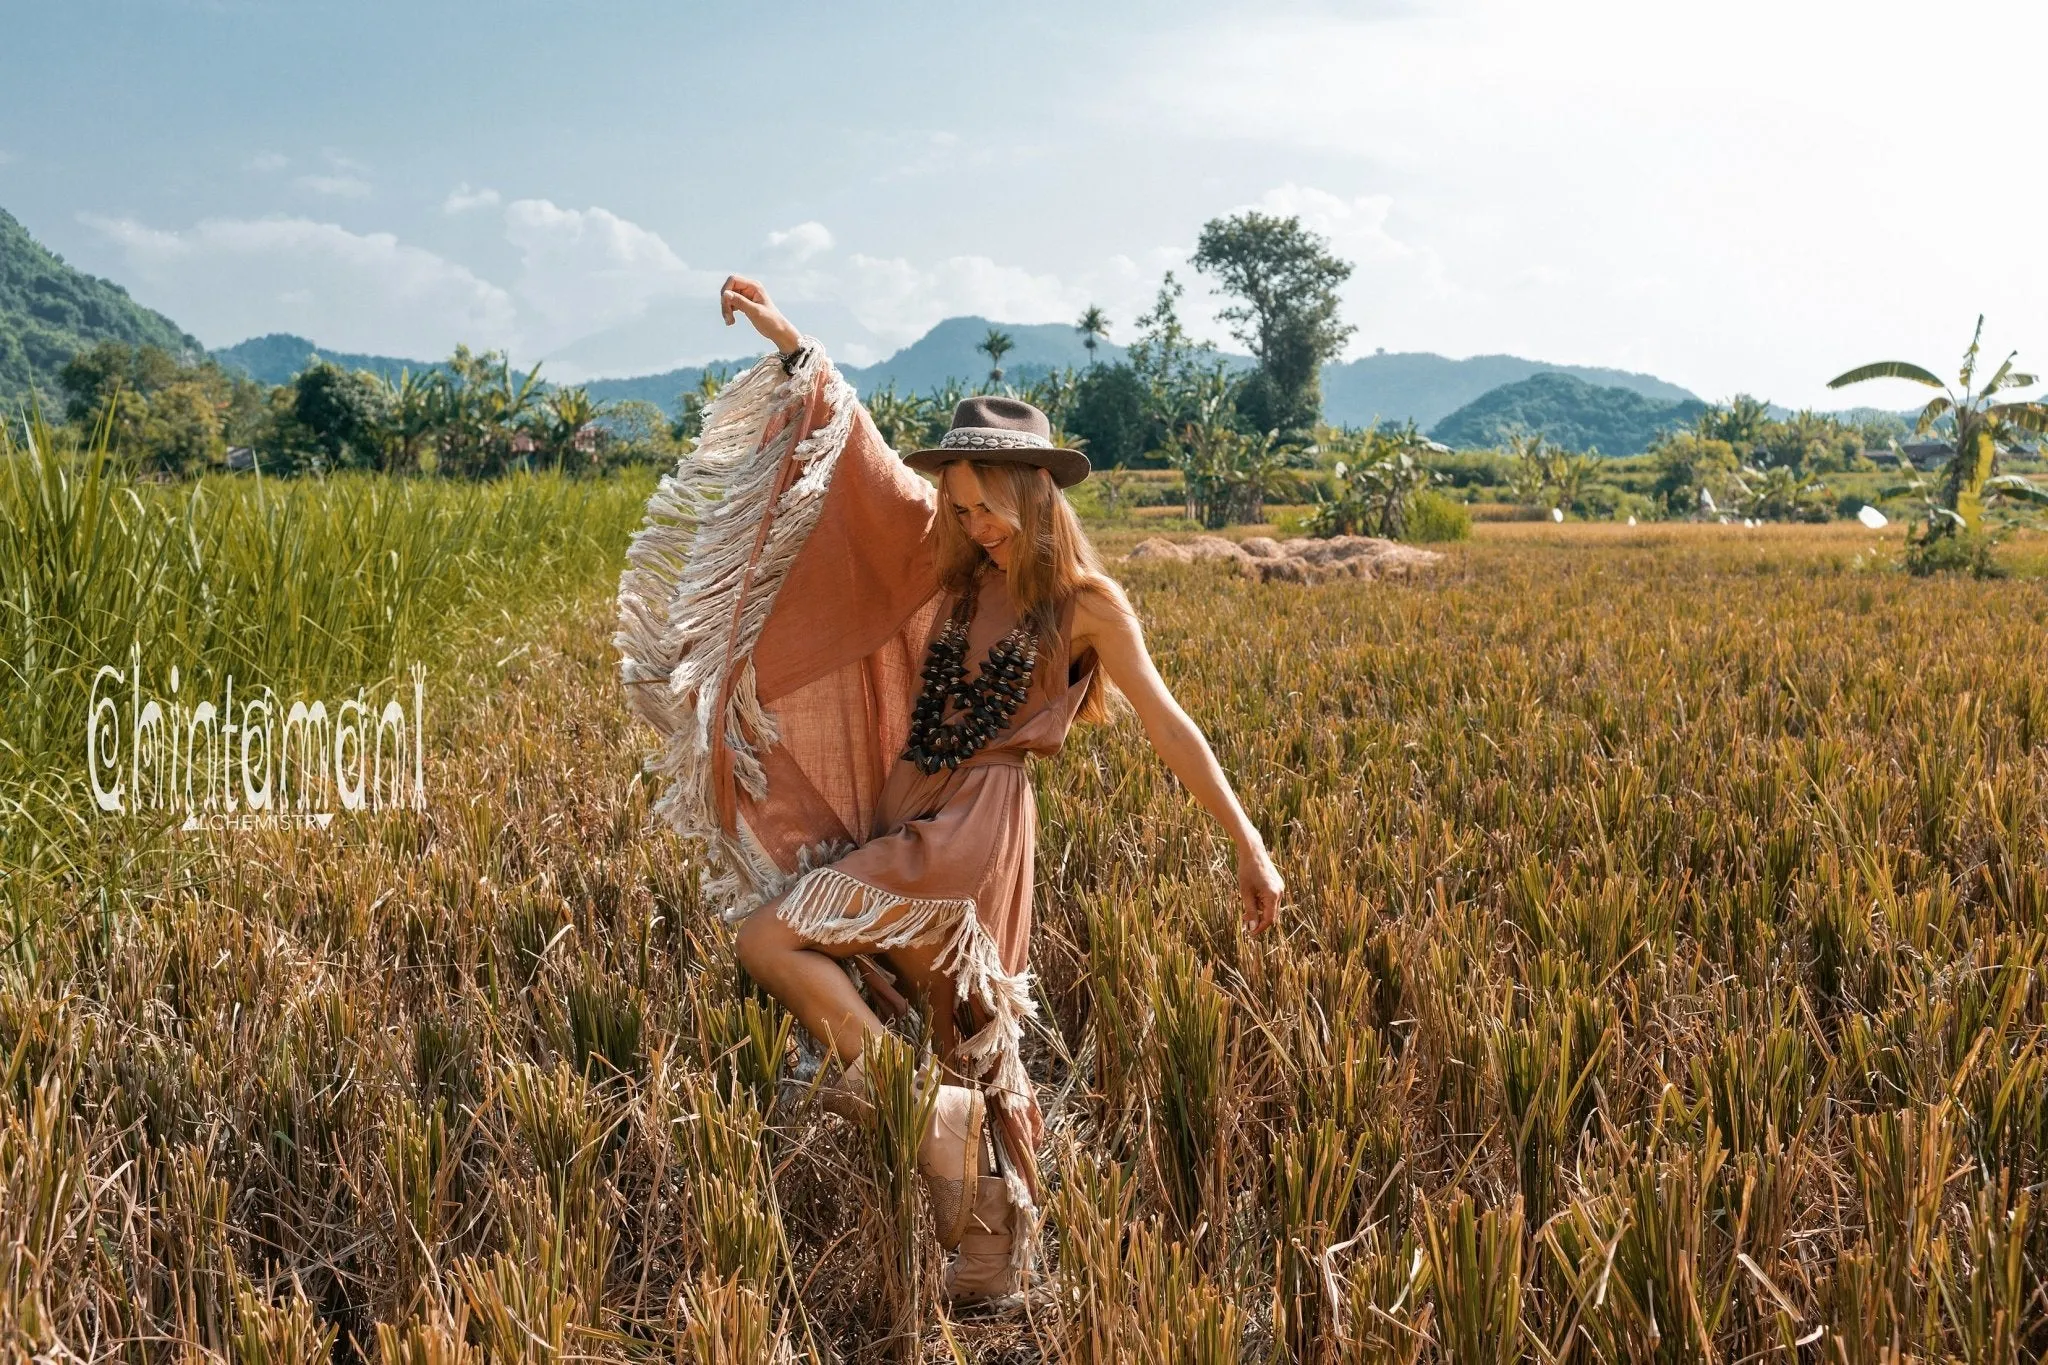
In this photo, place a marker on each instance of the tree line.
(473, 416)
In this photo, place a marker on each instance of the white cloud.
(228, 279)
(901, 300)
(895, 299)
(800, 243)
(335, 186)
(581, 270)
(267, 163)
(462, 199)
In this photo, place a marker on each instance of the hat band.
(992, 438)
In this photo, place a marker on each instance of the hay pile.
(1298, 561)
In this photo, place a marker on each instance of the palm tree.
(1981, 426)
(1093, 327)
(995, 346)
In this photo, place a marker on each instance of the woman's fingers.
(742, 294)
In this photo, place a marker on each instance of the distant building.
(588, 438)
(1913, 455)
(241, 459)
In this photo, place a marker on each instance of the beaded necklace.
(987, 703)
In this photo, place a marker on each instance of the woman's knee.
(763, 942)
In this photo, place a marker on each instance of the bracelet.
(790, 358)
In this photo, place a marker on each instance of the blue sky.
(1695, 191)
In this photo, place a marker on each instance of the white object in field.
(1707, 502)
(1557, 514)
(1746, 521)
(1873, 518)
(1631, 521)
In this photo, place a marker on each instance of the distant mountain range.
(1387, 387)
(50, 311)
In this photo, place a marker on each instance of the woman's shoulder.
(1098, 602)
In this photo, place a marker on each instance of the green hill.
(1569, 412)
(1398, 386)
(278, 358)
(50, 312)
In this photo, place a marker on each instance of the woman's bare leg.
(808, 979)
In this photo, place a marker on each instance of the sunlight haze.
(1744, 197)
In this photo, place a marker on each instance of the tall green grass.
(312, 587)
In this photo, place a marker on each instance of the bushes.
(1434, 517)
(1967, 552)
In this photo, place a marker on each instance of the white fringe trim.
(691, 605)
(819, 905)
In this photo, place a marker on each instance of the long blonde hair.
(1051, 560)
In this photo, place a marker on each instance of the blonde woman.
(848, 667)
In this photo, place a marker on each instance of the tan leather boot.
(846, 1094)
(947, 1158)
(985, 1270)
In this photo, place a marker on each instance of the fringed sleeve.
(771, 618)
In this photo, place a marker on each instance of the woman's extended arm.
(1111, 629)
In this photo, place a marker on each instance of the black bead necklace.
(987, 703)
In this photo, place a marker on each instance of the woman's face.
(962, 485)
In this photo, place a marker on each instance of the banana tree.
(1376, 484)
(1779, 493)
(562, 418)
(1529, 476)
(411, 416)
(1981, 427)
(1205, 450)
(693, 400)
(903, 420)
(1263, 468)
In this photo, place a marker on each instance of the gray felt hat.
(991, 430)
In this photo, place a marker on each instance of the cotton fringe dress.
(773, 621)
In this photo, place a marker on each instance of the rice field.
(1662, 981)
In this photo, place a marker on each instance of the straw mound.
(1298, 561)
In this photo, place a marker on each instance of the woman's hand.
(745, 296)
(1259, 886)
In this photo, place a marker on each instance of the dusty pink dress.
(773, 620)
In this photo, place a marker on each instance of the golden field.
(1662, 981)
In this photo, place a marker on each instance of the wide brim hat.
(991, 430)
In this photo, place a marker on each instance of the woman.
(848, 667)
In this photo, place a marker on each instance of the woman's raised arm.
(1109, 626)
(748, 299)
